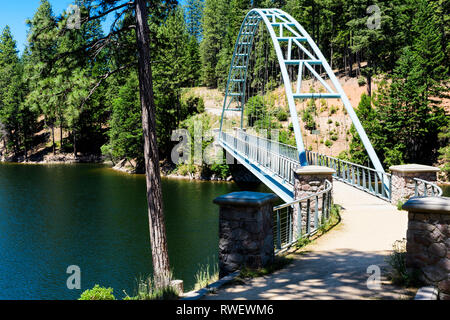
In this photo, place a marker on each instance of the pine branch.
(105, 13)
(103, 78)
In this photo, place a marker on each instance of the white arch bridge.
(273, 162)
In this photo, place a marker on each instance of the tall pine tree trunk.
(74, 133)
(26, 146)
(53, 139)
(160, 256)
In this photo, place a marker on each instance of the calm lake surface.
(52, 217)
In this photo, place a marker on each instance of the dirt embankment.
(332, 119)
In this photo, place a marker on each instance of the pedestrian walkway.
(335, 265)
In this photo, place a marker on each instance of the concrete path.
(335, 265)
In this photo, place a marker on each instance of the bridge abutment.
(403, 185)
(428, 241)
(245, 231)
(309, 180)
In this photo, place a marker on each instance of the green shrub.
(328, 143)
(98, 293)
(362, 81)
(337, 124)
(334, 137)
(330, 121)
(400, 205)
(308, 119)
(291, 127)
(302, 242)
(344, 155)
(205, 275)
(399, 274)
(147, 290)
(333, 110)
(191, 105)
(255, 110)
(221, 170)
(185, 169)
(282, 115)
(333, 219)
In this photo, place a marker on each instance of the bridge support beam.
(428, 242)
(403, 185)
(309, 180)
(245, 231)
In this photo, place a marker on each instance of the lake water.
(52, 217)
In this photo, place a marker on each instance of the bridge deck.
(335, 265)
(267, 163)
(274, 164)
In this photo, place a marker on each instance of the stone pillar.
(403, 186)
(245, 231)
(428, 241)
(308, 180)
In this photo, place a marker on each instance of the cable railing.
(283, 149)
(313, 212)
(423, 188)
(260, 151)
(368, 179)
(282, 159)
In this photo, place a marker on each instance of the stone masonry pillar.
(428, 241)
(403, 186)
(308, 180)
(245, 231)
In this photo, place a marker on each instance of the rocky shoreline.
(65, 158)
(125, 166)
(131, 167)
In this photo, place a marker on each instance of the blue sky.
(14, 14)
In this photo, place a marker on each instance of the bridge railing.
(283, 149)
(260, 151)
(314, 211)
(368, 179)
(423, 188)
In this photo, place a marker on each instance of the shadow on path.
(318, 275)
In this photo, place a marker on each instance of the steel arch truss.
(284, 28)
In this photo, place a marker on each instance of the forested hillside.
(83, 103)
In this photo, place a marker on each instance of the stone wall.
(403, 185)
(245, 231)
(428, 241)
(309, 180)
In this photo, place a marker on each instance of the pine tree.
(41, 50)
(74, 76)
(411, 114)
(171, 74)
(368, 117)
(125, 134)
(215, 22)
(9, 77)
(193, 18)
(16, 118)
